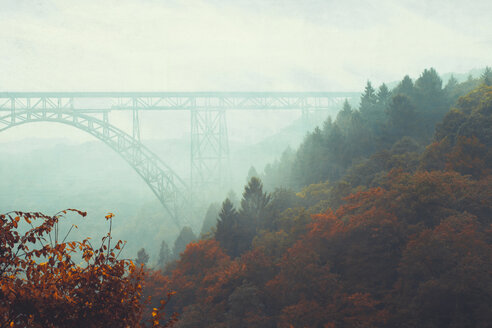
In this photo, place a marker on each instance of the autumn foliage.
(413, 249)
(44, 285)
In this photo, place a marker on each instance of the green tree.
(451, 85)
(253, 210)
(233, 198)
(405, 87)
(429, 90)
(402, 119)
(210, 220)
(164, 255)
(227, 232)
(252, 173)
(142, 257)
(368, 99)
(429, 82)
(431, 102)
(254, 200)
(185, 237)
(383, 96)
(344, 117)
(371, 110)
(487, 76)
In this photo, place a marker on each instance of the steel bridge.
(89, 111)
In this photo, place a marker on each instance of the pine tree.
(210, 220)
(487, 76)
(185, 237)
(254, 200)
(405, 87)
(452, 83)
(252, 173)
(344, 117)
(142, 257)
(429, 83)
(164, 255)
(383, 96)
(233, 198)
(368, 99)
(227, 231)
(401, 117)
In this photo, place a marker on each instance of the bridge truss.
(89, 111)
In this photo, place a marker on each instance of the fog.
(195, 45)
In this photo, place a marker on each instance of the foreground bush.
(41, 285)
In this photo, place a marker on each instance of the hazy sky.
(235, 45)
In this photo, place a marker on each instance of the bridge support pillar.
(136, 123)
(210, 171)
(106, 123)
(12, 109)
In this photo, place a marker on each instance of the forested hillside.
(382, 218)
(384, 117)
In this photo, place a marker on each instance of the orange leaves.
(58, 290)
(325, 225)
(87, 255)
(469, 156)
(81, 213)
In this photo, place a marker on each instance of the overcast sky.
(237, 45)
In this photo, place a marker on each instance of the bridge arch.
(167, 186)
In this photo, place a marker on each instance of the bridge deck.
(172, 100)
(110, 94)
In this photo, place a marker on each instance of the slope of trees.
(390, 226)
(401, 237)
(411, 109)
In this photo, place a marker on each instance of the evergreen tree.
(142, 257)
(368, 99)
(452, 84)
(235, 230)
(383, 96)
(430, 100)
(344, 117)
(210, 220)
(254, 200)
(227, 232)
(327, 124)
(401, 117)
(164, 255)
(233, 198)
(253, 210)
(429, 83)
(452, 90)
(252, 173)
(185, 237)
(371, 111)
(405, 87)
(487, 76)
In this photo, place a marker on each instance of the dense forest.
(381, 218)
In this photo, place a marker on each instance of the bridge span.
(89, 111)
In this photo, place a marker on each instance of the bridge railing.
(172, 100)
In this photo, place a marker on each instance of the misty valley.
(162, 165)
